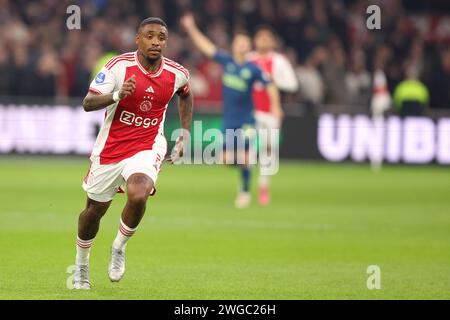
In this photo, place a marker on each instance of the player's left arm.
(275, 101)
(199, 39)
(284, 75)
(185, 108)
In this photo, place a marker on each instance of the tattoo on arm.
(94, 102)
(185, 108)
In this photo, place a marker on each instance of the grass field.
(326, 225)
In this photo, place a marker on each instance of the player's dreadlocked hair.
(152, 20)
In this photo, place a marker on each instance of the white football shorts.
(103, 181)
(266, 121)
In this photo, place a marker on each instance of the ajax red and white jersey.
(132, 124)
(280, 70)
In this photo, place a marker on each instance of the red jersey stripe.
(94, 90)
(118, 60)
(125, 55)
(183, 71)
(177, 66)
(115, 58)
(184, 90)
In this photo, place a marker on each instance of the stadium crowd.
(333, 52)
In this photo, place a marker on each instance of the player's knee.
(138, 198)
(139, 188)
(96, 209)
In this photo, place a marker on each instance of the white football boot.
(243, 200)
(117, 264)
(81, 277)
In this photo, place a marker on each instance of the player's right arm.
(200, 40)
(95, 100)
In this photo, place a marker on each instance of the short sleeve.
(222, 57)
(284, 74)
(104, 82)
(184, 88)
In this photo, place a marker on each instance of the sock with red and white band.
(263, 181)
(83, 249)
(123, 235)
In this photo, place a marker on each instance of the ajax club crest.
(145, 106)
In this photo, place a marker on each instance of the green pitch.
(326, 225)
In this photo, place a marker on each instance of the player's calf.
(88, 224)
(89, 220)
(139, 187)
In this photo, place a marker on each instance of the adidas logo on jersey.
(150, 90)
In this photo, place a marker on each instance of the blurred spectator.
(334, 70)
(440, 84)
(211, 72)
(23, 76)
(358, 82)
(48, 68)
(411, 96)
(312, 88)
(41, 57)
(416, 57)
(5, 73)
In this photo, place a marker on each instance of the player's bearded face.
(152, 40)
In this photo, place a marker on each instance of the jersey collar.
(145, 71)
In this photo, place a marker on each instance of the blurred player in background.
(380, 103)
(135, 88)
(238, 79)
(283, 75)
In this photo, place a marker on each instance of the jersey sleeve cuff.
(93, 90)
(184, 91)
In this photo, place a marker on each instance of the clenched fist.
(177, 151)
(128, 87)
